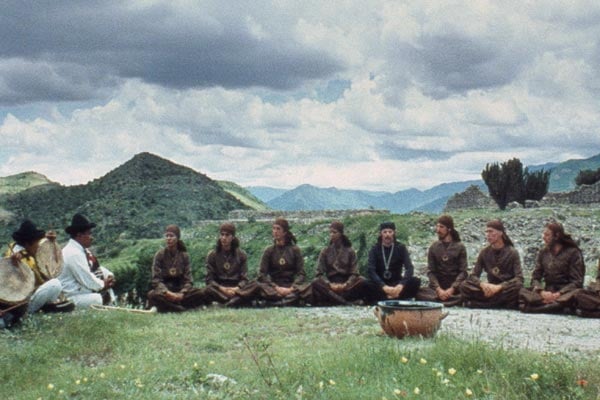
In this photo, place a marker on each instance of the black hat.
(79, 223)
(387, 225)
(27, 232)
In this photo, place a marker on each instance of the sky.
(369, 94)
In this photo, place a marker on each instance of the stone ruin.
(474, 198)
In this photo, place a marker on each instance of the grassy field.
(219, 353)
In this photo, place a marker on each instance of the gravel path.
(564, 334)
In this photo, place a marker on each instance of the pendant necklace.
(387, 274)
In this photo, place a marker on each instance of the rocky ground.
(561, 334)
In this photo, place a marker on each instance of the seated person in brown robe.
(337, 281)
(501, 261)
(560, 266)
(587, 301)
(446, 265)
(226, 269)
(172, 284)
(281, 273)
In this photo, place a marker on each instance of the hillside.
(136, 200)
(562, 178)
(19, 182)
(243, 195)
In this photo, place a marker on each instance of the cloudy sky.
(379, 95)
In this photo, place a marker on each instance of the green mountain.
(19, 182)
(136, 200)
(243, 195)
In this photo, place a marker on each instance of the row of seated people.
(281, 279)
(556, 287)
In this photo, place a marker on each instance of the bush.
(587, 177)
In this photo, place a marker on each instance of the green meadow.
(218, 353)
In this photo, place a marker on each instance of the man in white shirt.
(80, 284)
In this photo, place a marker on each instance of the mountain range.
(308, 197)
(140, 197)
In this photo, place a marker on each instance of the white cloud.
(435, 90)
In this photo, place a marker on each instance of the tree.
(536, 184)
(587, 177)
(508, 182)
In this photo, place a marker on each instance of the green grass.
(270, 354)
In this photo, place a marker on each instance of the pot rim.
(407, 305)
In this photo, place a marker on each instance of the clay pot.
(400, 318)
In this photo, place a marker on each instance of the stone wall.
(269, 215)
(471, 198)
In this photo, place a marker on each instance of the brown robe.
(563, 272)
(587, 301)
(224, 269)
(171, 271)
(503, 267)
(336, 264)
(279, 266)
(446, 268)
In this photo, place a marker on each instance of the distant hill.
(19, 182)
(265, 193)
(137, 199)
(562, 178)
(308, 197)
(243, 195)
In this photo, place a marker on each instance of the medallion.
(226, 266)
(173, 271)
(445, 257)
(282, 261)
(387, 274)
(496, 271)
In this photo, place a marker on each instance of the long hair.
(235, 244)
(345, 241)
(289, 237)
(559, 236)
(455, 235)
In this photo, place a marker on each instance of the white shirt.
(76, 276)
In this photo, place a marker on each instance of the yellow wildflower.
(50, 386)
(331, 382)
(404, 360)
(423, 361)
(534, 377)
(102, 375)
(78, 381)
(452, 371)
(417, 390)
(469, 392)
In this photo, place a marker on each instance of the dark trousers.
(193, 298)
(429, 294)
(473, 296)
(376, 293)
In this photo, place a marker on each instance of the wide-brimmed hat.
(79, 223)
(27, 232)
